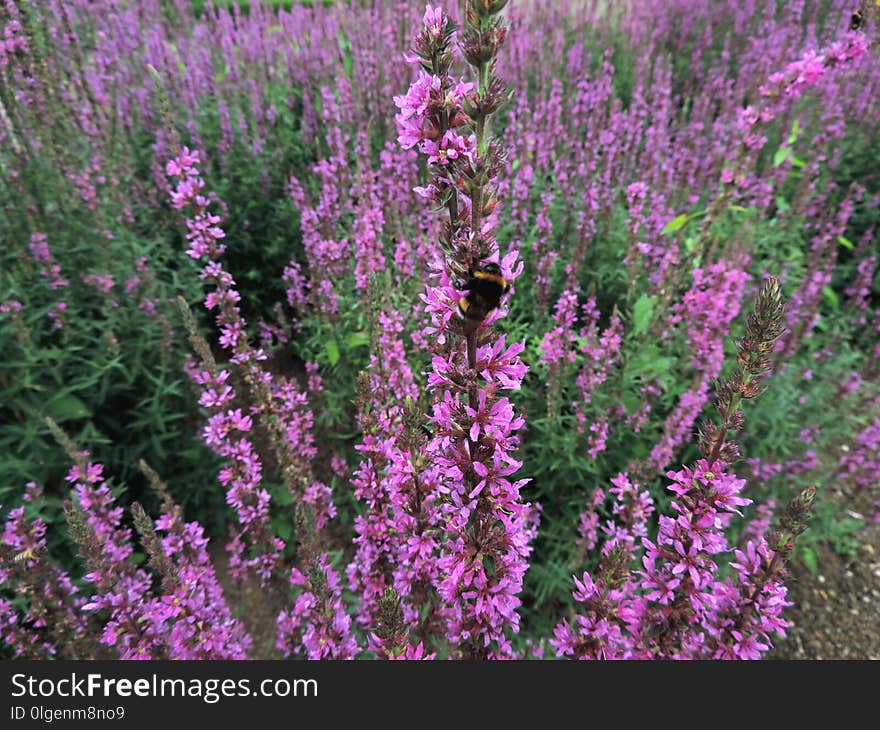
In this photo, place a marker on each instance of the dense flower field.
(488, 330)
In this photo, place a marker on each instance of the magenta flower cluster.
(678, 605)
(475, 426)
(189, 619)
(479, 333)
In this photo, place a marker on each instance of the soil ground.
(837, 610)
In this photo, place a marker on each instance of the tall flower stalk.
(281, 406)
(677, 605)
(483, 558)
(763, 329)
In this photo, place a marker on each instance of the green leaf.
(795, 132)
(782, 204)
(797, 162)
(781, 156)
(66, 407)
(332, 349)
(282, 528)
(675, 224)
(845, 242)
(643, 311)
(282, 496)
(631, 401)
(357, 339)
(830, 295)
(648, 364)
(345, 48)
(808, 556)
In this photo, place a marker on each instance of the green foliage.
(112, 376)
(245, 5)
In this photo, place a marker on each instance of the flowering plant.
(409, 346)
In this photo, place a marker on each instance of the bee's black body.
(857, 20)
(485, 287)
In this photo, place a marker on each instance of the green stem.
(482, 147)
(471, 339)
(721, 437)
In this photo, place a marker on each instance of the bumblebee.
(857, 20)
(485, 287)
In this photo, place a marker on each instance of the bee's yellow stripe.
(500, 280)
(463, 304)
